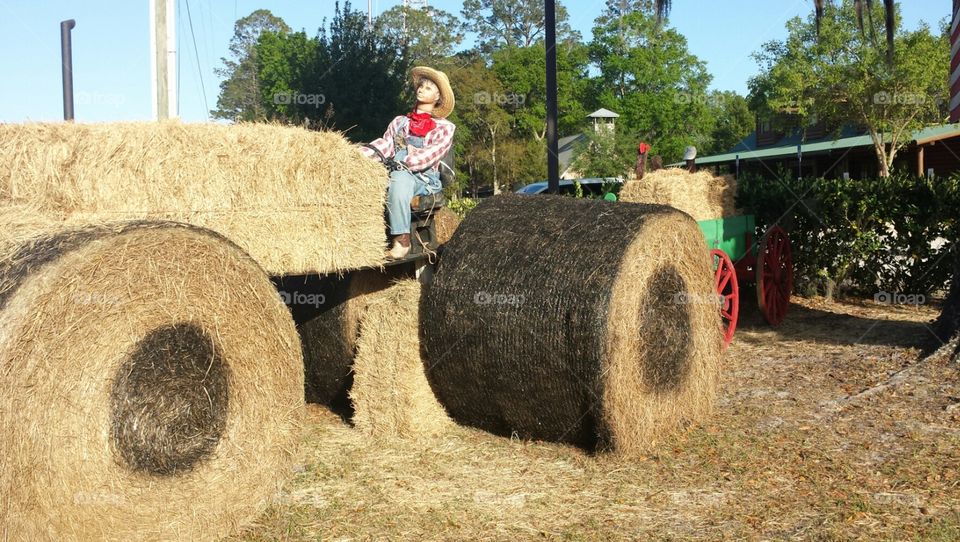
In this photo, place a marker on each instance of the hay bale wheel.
(329, 336)
(579, 321)
(152, 385)
(391, 396)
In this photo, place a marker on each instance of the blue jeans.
(403, 186)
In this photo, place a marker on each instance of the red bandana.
(421, 123)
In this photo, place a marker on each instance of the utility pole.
(553, 152)
(163, 59)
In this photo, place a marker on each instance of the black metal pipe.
(553, 147)
(66, 54)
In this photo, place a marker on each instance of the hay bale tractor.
(767, 264)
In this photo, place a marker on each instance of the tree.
(603, 155)
(348, 78)
(240, 97)
(426, 35)
(732, 121)
(649, 77)
(521, 72)
(840, 77)
(512, 23)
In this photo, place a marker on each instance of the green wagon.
(737, 259)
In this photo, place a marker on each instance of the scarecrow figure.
(641, 166)
(417, 142)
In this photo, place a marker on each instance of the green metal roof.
(747, 148)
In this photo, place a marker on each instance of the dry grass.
(296, 201)
(778, 460)
(701, 195)
(151, 386)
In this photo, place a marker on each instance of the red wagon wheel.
(774, 275)
(727, 287)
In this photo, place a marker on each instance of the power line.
(196, 54)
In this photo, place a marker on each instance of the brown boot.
(401, 247)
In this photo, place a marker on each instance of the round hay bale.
(152, 385)
(329, 336)
(702, 195)
(580, 321)
(390, 394)
(446, 223)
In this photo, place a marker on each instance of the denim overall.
(405, 185)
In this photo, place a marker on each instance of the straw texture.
(152, 385)
(390, 394)
(580, 321)
(329, 337)
(296, 201)
(701, 195)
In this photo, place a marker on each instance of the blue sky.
(111, 48)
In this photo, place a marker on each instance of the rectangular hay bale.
(297, 201)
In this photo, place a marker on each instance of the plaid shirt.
(436, 144)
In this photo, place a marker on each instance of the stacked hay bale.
(152, 385)
(580, 321)
(296, 201)
(330, 336)
(446, 222)
(701, 195)
(390, 394)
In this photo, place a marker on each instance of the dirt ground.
(829, 427)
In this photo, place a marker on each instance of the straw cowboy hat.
(445, 107)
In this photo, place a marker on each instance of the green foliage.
(512, 23)
(346, 78)
(462, 206)
(649, 77)
(603, 155)
(890, 234)
(240, 97)
(841, 77)
(521, 73)
(426, 36)
(732, 121)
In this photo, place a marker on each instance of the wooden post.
(921, 171)
(163, 59)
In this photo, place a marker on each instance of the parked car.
(594, 186)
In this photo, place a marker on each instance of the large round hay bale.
(297, 201)
(151, 385)
(702, 195)
(390, 394)
(329, 336)
(580, 321)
